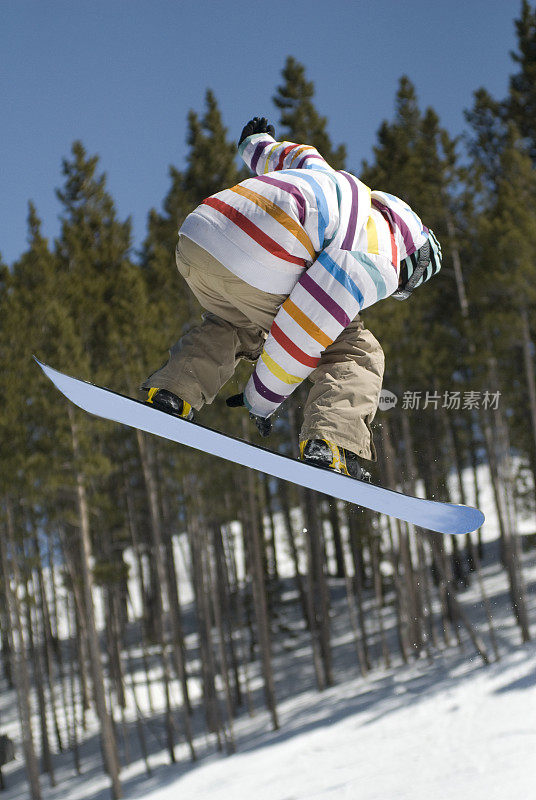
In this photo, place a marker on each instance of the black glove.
(256, 125)
(264, 424)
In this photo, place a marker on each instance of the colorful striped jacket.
(320, 235)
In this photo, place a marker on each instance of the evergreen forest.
(151, 595)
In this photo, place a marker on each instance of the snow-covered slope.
(456, 732)
(447, 729)
(453, 731)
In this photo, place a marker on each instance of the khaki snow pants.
(345, 385)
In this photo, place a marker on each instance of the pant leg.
(200, 363)
(234, 326)
(346, 386)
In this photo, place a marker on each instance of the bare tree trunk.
(403, 618)
(333, 517)
(179, 648)
(445, 592)
(473, 447)
(37, 661)
(375, 552)
(81, 634)
(162, 590)
(411, 470)
(139, 718)
(528, 349)
(136, 543)
(18, 649)
(472, 551)
(317, 594)
(70, 612)
(7, 655)
(114, 651)
(512, 550)
(512, 557)
(460, 568)
(298, 577)
(222, 581)
(411, 593)
(456, 610)
(354, 617)
(240, 613)
(426, 603)
(109, 747)
(503, 499)
(318, 587)
(458, 273)
(359, 578)
(114, 632)
(47, 644)
(271, 548)
(217, 597)
(259, 598)
(197, 540)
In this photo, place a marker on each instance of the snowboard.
(430, 514)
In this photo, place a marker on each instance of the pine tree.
(424, 338)
(93, 251)
(486, 142)
(106, 299)
(211, 160)
(502, 147)
(301, 121)
(35, 321)
(504, 183)
(211, 167)
(396, 157)
(507, 232)
(27, 478)
(520, 106)
(416, 161)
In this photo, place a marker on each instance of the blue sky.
(121, 76)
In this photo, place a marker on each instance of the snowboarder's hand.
(264, 424)
(256, 125)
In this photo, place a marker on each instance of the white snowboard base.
(440, 517)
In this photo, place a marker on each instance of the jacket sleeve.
(262, 154)
(327, 297)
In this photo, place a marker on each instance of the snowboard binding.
(170, 403)
(326, 454)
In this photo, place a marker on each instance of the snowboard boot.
(170, 403)
(322, 453)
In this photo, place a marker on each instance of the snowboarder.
(283, 263)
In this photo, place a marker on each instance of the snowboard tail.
(430, 514)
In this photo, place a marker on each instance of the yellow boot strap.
(186, 407)
(338, 462)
